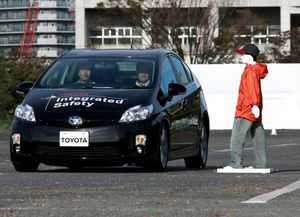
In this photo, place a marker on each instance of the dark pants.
(238, 138)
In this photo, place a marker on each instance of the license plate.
(73, 139)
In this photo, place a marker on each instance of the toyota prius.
(93, 108)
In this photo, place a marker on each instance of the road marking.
(283, 145)
(264, 198)
(1, 174)
(279, 145)
(16, 208)
(226, 150)
(245, 170)
(8, 200)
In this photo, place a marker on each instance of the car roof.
(133, 53)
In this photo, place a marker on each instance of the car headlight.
(25, 112)
(136, 113)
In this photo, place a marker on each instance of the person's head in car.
(84, 73)
(144, 74)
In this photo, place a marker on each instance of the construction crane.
(29, 30)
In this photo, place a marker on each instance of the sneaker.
(232, 166)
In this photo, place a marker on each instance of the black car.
(111, 107)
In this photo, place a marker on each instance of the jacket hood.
(260, 68)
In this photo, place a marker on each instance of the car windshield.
(99, 73)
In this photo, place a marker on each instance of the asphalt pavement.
(131, 191)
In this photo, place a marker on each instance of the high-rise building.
(54, 30)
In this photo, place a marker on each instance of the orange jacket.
(250, 91)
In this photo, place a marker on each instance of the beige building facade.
(280, 15)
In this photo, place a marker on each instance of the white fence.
(281, 94)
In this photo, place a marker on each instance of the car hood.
(89, 104)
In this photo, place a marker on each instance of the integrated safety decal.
(81, 101)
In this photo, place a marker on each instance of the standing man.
(248, 115)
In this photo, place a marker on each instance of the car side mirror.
(24, 87)
(173, 90)
(176, 89)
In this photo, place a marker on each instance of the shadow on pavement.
(121, 169)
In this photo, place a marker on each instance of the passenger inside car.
(144, 74)
(84, 74)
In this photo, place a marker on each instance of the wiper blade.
(83, 86)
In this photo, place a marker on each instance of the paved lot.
(130, 191)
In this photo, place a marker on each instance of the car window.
(181, 74)
(167, 76)
(99, 73)
(188, 72)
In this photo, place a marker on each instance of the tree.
(202, 30)
(191, 29)
(185, 27)
(235, 31)
(277, 51)
(14, 73)
(161, 26)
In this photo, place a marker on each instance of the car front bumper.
(108, 145)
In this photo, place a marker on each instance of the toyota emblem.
(75, 120)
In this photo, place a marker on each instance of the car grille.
(86, 124)
(101, 151)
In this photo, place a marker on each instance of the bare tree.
(201, 30)
(187, 28)
(233, 33)
(277, 51)
(157, 22)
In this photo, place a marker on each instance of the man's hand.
(255, 111)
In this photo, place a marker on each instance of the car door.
(173, 107)
(186, 141)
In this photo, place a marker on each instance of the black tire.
(199, 161)
(160, 160)
(26, 166)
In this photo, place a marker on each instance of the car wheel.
(161, 159)
(199, 161)
(26, 166)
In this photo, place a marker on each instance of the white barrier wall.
(281, 94)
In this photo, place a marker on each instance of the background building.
(279, 16)
(54, 30)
